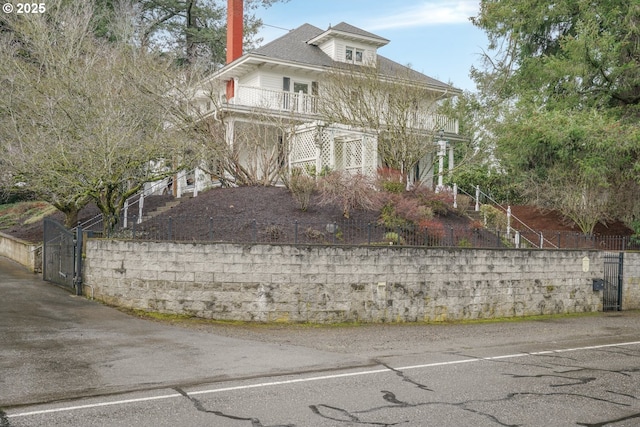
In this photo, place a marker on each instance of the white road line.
(321, 378)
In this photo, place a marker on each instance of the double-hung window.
(354, 55)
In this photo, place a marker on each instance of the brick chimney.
(234, 37)
(234, 30)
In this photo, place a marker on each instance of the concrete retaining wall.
(25, 253)
(332, 284)
(631, 281)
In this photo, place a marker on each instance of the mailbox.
(598, 284)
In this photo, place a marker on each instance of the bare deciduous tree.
(399, 108)
(82, 118)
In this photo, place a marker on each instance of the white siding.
(252, 79)
(271, 81)
(370, 52)
(329, 48)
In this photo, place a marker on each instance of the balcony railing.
(303, 103)
(276, 100)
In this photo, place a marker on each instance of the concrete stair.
(164, 208)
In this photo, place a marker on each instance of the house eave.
(250, 62)
(333, 33)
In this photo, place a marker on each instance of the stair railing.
(510, 217)
(137, 198)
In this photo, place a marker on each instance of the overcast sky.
(434, 36)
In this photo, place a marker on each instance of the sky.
(434, 37)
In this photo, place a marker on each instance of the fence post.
(335, 231)
(477, 198)
(541, 240)
(508, 221)
(517, 240)
(77, 280)
(254, 231)
(126, 213)
(455, 196)
(140, 205)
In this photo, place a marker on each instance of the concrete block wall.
(340, 284)
(631, 281)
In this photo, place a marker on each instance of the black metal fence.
(349, 232)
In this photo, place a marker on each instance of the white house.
(281, 84)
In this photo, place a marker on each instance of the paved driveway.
(54, 345)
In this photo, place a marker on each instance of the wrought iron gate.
(612, 292)
(62, 255)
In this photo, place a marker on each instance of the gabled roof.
(294, 49)
(347, 31)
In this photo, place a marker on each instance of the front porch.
(316, 148)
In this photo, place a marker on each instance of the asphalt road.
(69, 361)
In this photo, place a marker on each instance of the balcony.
(276, 100)
(302, 103)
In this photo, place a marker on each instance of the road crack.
(255, 422)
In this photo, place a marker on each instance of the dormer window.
(354, 55)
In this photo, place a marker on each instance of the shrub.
(391, 180)
(348, 191)
(302, 187)
(274, 232)
(393, 239)
(389, 217)
(439, 203)
(464, 243)
(476, 225)
(464, 203)
(434, 228)
(314, 234)
(494, 218)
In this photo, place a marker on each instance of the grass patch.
(38, 214)
(24, 213)
(186, 320)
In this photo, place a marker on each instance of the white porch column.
(441, 153)
(455, 196)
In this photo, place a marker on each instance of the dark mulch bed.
(552, 221)
(247, 214)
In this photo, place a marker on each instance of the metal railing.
(532, 237)
(345, 232)
(135, 202)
